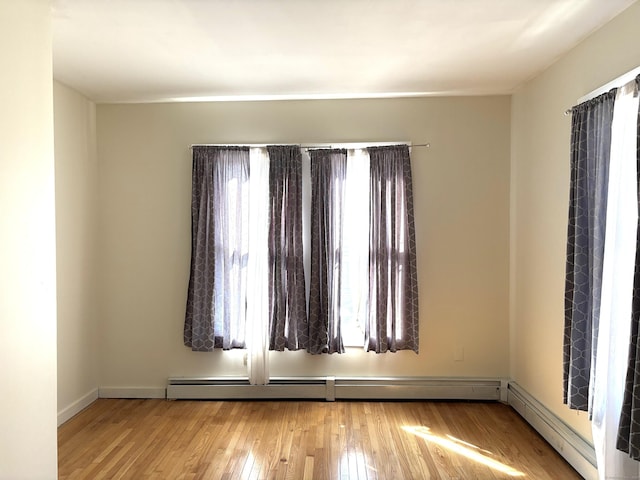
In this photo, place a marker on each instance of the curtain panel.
(590, 150)
(629, 429)
(287, 294)
(610, 364)
(328, 177)
(258, 268)
(392, 322)
(602, 294)
(215, 314)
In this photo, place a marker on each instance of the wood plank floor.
(144, 439)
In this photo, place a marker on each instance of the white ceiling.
(158, 50)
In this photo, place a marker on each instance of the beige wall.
(76, 237)
(461, 203)
(27, 244)
(539, 200)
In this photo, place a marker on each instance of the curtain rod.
(615, 83)
(261, 145)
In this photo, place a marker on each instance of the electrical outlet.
(458, 353)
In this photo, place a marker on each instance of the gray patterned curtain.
(629, 428)
(328, 174)
(590, 151)
(393, 287)
(287, 298)
(215, 314)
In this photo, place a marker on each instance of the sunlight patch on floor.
(462, 448)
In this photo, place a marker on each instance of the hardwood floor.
(144, 439)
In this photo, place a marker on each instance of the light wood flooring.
(144, 439)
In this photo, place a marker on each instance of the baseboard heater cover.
(575, 449)
(332, 388)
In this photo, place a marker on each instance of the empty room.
(210, 269)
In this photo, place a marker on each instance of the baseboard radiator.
(575, 449)
(335, 388)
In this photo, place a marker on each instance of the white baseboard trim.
(76, 407)
(576, 450)
(132, 392)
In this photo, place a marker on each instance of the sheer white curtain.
(258, 269)
(617, 285)
(354, 288)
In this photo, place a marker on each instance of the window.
(601, 303)
(351, 282)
